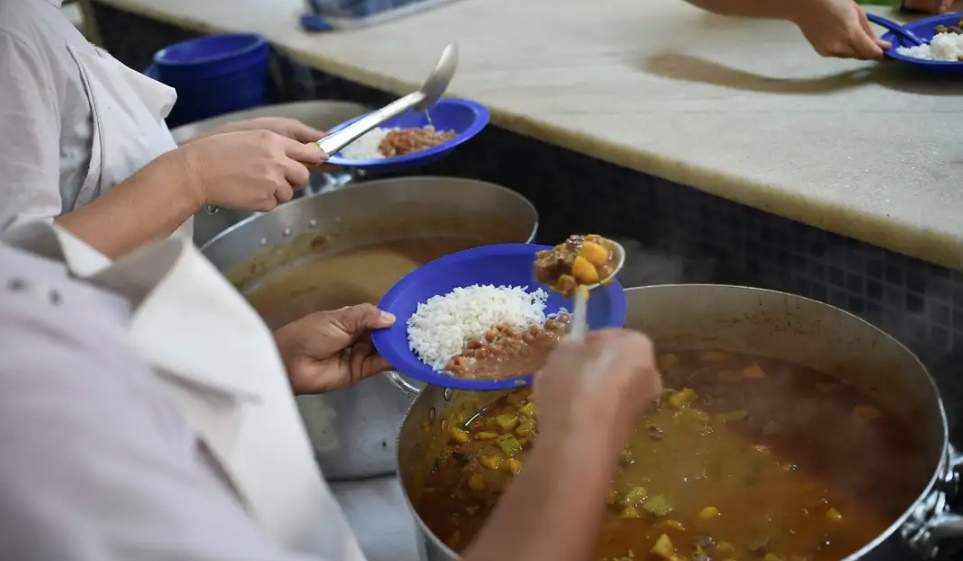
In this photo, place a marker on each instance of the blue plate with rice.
(486, 271)
(926, 29)
(463, 117)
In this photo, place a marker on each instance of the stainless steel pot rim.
(372, 185)
(940, 470)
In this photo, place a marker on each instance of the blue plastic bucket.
(213, 75)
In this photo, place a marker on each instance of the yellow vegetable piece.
(513, 466)
(683, 398)
(491, 462)
(507, 422)
(771, 557)
(458, 435)
(528, 409)
(509, 445)
(834, 515)
(867, 412)
(754, 372)
(629, 512)
(476, 482)
(634, 496)
(584, 272)
(663, 547)
(675, 525)
(594, 253)
(708, 513)
(658, 505)
(525, 428)
(486, 435)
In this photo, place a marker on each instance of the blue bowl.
(925, 29)
(499, 265)
(213, 75)
(466, 118)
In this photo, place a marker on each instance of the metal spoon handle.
(579, 321)
(337, 140)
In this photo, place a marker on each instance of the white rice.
(438, 329)
(366, 145)
(944, 46)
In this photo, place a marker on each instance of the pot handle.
(399, 381)
(935, 521)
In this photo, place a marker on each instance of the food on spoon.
(581, 260)
(715, 483)
(485, 332)
(380, 143)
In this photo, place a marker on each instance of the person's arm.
(250, 170)
(836, 28)
(589, 398)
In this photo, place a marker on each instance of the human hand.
(326, 351)
(603, 384)
(929, 6)
(838, 28)
(246, 170)
(284, 126)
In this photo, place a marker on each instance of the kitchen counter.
(742, 109)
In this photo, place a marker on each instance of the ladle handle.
(340, 138)
(579, 321)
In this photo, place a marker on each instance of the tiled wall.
(682, 234)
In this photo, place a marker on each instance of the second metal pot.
(773, 324)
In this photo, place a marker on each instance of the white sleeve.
(95, 464)
(30, 129)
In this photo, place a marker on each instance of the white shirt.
(74, 121)
(145, 414)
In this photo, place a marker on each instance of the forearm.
(781, 9)
(148, 206)
(553, 510)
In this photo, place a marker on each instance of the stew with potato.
(745, 458)
(581, 260)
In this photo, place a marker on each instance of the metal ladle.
(581, 295)
(420, 100)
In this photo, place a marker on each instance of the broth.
(344, 278)
(746, 458)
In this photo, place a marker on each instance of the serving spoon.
(581, 294)
(419, 100)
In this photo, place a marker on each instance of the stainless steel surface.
(774, 324)
(376, 512)
(420, 100)
(354, 430)
(321, 114)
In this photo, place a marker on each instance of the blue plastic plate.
(499, 265)
(924, 29)
(466, 118)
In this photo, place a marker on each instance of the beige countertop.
(742, 109)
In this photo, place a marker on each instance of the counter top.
(742, 109)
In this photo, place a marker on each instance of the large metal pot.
(354, 430)
(769, 323)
